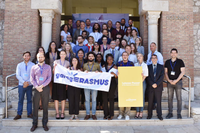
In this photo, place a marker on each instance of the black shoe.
(149, 117)
(170, 115)
(179, 116)
(160, 118)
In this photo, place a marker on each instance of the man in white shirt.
(96, 32)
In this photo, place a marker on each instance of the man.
(154, 51)
(105, 33)
(88, 28)
(174, 71)
(130, 22)
(155, 82)
(69, 40)
(80, 46)
(70, 27)
(117, 30)
(96, 32)
(90, 66)
(123, 22)
(84, 34)
(79, 32)
(24, 85)
(78, 23)
(113, 51)
(110, 28)
(40, 78)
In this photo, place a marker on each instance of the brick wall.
(56, 29)
(22, 33)
(2, 10)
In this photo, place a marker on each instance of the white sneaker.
(127, 118)
(119, 117)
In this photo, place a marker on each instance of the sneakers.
(119, 117)
(127, 118)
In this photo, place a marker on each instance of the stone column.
(152, 17)
(47, 17)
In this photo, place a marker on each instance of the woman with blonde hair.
(69, 52)
(140, 48)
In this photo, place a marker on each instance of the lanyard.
(26, 67)
(171, 65)
(61, 63)
(81, 63)
(54, 56)
(109, 68)
(89, 67)
(41, 69)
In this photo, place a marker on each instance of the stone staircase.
(12, 111)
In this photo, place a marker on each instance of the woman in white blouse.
(145, 72)
(64, 34)
(133, 36)
(131, 57)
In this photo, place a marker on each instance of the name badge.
(41, 78)
(26, 75)
(172, 73)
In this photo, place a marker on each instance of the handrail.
(8, 91)
(189, 92)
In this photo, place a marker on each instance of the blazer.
(116, 57)
(159, 77)
(108, 47)
(76, 34)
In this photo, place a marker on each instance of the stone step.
(99, 113)
(51, 104)
(99, 122)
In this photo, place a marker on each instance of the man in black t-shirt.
(174, 71)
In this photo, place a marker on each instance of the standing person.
(40, 78)
(134, 52)
(79, 32)
(154, 51)
(62, 46)
(96, 32)
(110, 26)
(113, 51)
(74, 92)
(155, 82)
(140, 48)
(174, 72)
(122, 46)
(123, 24)
(90, 43)
(52, 55)
(105, 27)
(130, 23)
(109, 113)
(127, 36)
(117, 30)
(90, 66)
(104, 46)
(64, 33)
(118, 44)
(85, 36)
(69, 52)
(88, 28)
(69, 40)
(97, 48)
(124, 111)
(78, 23)
(24, 85)
(59, 90)
(131, 57)
(105, 33)
(133, 36)
(70, 26)
(145, 73)
(80, 46)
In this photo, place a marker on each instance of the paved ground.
(119, 129)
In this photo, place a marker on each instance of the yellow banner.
(130, 87)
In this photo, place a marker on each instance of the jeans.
(140, 109)
(178, 89)
(87, 101)
(22, 92)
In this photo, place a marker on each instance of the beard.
(91, 60)
(41, 61)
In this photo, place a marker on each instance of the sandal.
(76, 117)
(72, 117)
(140, 117)
(63, 116)
(137, 115)
(58, 115)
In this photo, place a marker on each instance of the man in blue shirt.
(23, 75)
(80, 46)
(88, 28)
(154, 51)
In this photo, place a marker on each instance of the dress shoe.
(170, 115)
(110, 117)
(17, 117)
(87, 117)
(179, 116)
(160, 118)
(149, 117)
(33, 128)
(30, 116)
(94, 117)
(46, 128)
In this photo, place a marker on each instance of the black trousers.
(109, 95)
(74, 99)
(154, 93)
(99, 98)
(82, 96)
(45, 103)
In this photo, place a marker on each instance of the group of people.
(90, 49)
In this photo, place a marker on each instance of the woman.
(109, 66)
(140, 48)
(133, 49)
(140, 57)
(105, 27)
(59, 90)
(100, 61)
(133, 36)
(104, 46)
(131, 57)
(74, 92)
(62, 46)
(64, 33)
(96, 48)
(118, 43)
(69, 52)
(127, 37)
(52, 55)
(122, 46)
(90, 44)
